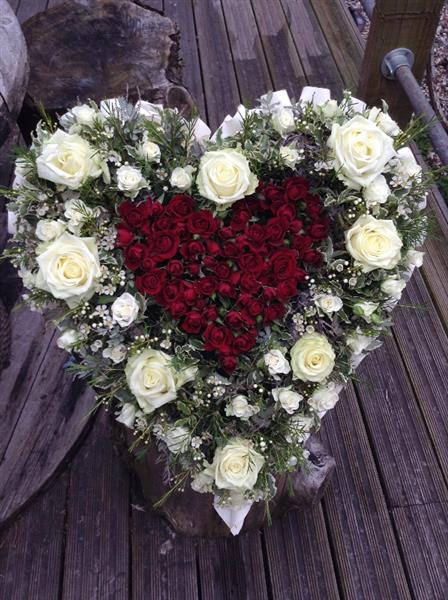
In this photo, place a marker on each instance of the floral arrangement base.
(192, 514)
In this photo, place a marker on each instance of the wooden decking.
(381, 531)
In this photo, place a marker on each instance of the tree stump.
(192, 514)
(98, 49)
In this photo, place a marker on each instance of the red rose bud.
(175, 267)
(233, 319)
(194, 269)
(296, 188)
(124, 236)
(228, 364)
(166, 244)
(151, 283)
(218, 338)
(180, 206)
(207, 286)
(192, 322)
(133, 256)
(202, 223)
(177, 309)
(212, 247)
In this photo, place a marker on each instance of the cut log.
(101, 49)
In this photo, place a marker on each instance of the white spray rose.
(68, 339)
(283, 121)
(84, 114)
(127, 415)
(376, 192)
(393, 287)
(153, 380)
(406, 167)
(312, 357)
(240, 407)
(181, 178)
(69, 268)
(413, 259)
(361, 151)
(276, 362)
(225, 177)
(130, 180)
(149, 151)
(68, 159)
(236, 466)
(325, 397)
(374, 243)
(328, 303)
(384, 121)
(47, 230)
(116, 353)
(290, 156)
(125, 309)
(287, 398)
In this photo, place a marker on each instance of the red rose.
(175, 267)
(171, 291)
(230, 249)
(296, 188)
(148, 263)
(226, 233)
(211, 313)
(178, 309)
(180, 206)
(192, 322)
(218, 338)
(240, 219)
(210, 262)
(249, 284)
(226, 289)
(301, 243)
(254, 307)
(124, 236)
(212, 247)
(252, 263)
(194, 269)
(189, 293)
(133, 256)
(164, 223)
(202, 223)
(192, 249)
(256, 233)
(223, 271)
(244, 342)
(313, 257)
(166, 244)
(318, 231)
(276, 229)
(288, 211)
(228, 363)
(286, 290)
(207, 286)
(273, 312)
(273, 193)
(283, 264)
(233, 319)
(296, 226)
(135, 214)
(151, 283)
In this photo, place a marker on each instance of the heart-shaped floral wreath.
(218, 293)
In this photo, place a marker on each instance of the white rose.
(240, 407)
(312, 357)
(130, 180)
(365, 309)
(181, 178)
(361, 151)
(69, 268)
(68, 159)
(153, 380)
(288, 399)
(384, 121)
(299, 428)
(125, 309)
(47, 230)
(290, 156)
(406, 167)
(325, 397)
(236, 466)
(393, 287)
(84, 114)
(68, 339)
(283, 121)
(376, 192)
(414, 258)
(225, 177)
(374, 243)
(328, 303)
(276, 362)
(176, 438)
(149, 151)
(127, 415)
(116, 353)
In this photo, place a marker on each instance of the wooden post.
(399, 24)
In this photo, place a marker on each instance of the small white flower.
(176, 438)
(290, 156)
(181, 178)
(68, 339)
(276, 362)
(325, 397)
(413, 259)
(365, 309)
(116, 353)
(130, 180)
(127, 415)
(406, 167)
(330, 109)
(376, 192)
(393, 287)
(125, 309)
(240, 407)
(283, 121)
(288, 399)
(150, 151)
(47, 230)
(328, 303)
(84, 114)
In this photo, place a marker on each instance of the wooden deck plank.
(96, 564)
(426, 560)
(299, 557)
(220, 85)
(281, 54)
(163, 563)
(31, 549)
(365, 551)
(317, 62)
(181, 12)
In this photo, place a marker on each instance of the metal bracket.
(399, 57)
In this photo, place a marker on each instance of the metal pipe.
(368, 6)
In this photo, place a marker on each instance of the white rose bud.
(68, 339)
(125, 309)
(361, 151)
(283, 121)
(240, 407)
(290, 156)
(376, 192)
(288, 399)
(181, 178)
(328, 303)
(84, 114)
(312, 357)
(127, 415)
(393, 287)
(365, 310)
(47, 230)
(130, 180)
(150, 151)
(384, 121)
(374, 243)
(406, 167)
(236, 466)
(330, 109)
(276, 362)
(325, 397)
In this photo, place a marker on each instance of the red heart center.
(225, 278)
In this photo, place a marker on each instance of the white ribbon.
(233, 516)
